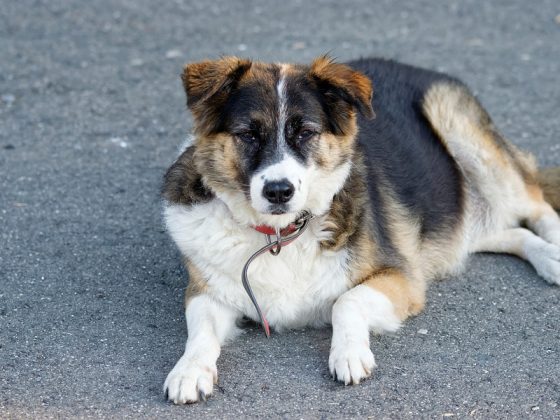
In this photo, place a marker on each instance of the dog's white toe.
(351, 363)
(190, 381)
(555, 237)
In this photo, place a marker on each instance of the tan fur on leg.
(407, 297)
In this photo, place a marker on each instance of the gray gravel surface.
(91, 114)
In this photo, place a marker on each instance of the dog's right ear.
(341, 82)
(208, 84)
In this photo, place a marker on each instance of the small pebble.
(242, 47)
(422, 331)
(173, 54)
(119, 141)
(135, 62)
(8, 98)
(300, 45)
(475, 42)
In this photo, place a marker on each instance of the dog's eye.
(247, 137)
(305, 135)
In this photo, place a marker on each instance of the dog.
(368, 179)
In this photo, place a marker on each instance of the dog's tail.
(549, 180)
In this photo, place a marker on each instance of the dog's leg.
(378, 304)
(209, 324)
(545, 222)
(544, 256)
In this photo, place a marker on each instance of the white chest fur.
(294, 289)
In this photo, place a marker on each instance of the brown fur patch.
(197, 285)
(549, 181)
(403, 227)
(208, 84)
(206, 78)
(346, 219)
(356, 86)
(331, 151)
(217, 158)
(407, 298)
(534, 192)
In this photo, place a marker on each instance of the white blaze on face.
(282, 109)
(288, 168)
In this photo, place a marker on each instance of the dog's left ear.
(206, 79)
(340, 82)
(208, 85)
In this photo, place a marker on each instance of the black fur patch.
(402, 149)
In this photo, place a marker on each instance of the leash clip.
(300, 225)
(275, 250)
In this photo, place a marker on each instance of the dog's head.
(273, 140)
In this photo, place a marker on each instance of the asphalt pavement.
(91, 114)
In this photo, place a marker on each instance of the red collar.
(269, 230)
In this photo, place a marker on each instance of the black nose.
(278, 191)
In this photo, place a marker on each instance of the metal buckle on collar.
(275, 250)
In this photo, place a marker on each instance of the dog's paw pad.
(351, 363)
(190, 381)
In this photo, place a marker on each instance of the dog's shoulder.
(403, 153)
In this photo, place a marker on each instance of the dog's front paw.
(351, 362)
(546, 260)
(191, 380)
